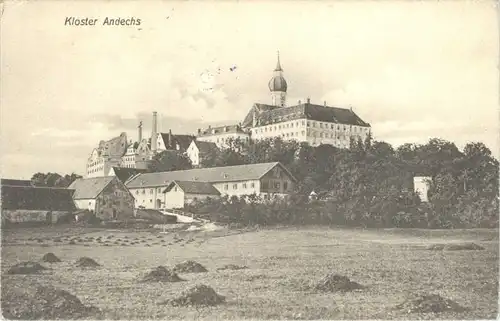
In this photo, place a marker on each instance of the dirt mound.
(161, 274)
(455, 247)
(197, 295)
(26, 268)
(435, 247)
(189, 267)
(463, 247)
(232, 267)
(86, 262)
(429, 303)
(43, 302)
(334, 282)
(50, 258)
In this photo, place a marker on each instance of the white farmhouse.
(265, 179)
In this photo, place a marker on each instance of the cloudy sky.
(414, 70)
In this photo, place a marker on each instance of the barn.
(106, 197)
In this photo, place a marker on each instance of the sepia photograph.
(249, 160)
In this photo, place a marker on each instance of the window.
(235, 186)
(276, 185)
(151, 191)
(320, 125)
(226, 187)
(143, 191)
(244, 185)
(137, 192)
(285, 185)
(252, 185)
(150, 201)
(175, 189)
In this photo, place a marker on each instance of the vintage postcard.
(249, 160)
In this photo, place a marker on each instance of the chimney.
(199, 131)
(308, 100)
(154, 133)
(139, 130)
(300, 102)
(325, 103)
(169, 137)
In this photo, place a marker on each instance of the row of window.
(276, 185)
(271, 128)
(235, 186)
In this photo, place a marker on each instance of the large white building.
(303, 122)
(265, 179)
(120, 152)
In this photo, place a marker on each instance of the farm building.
(179, 193)
(35, 204)
(265, 179)
(15, 182)
(197, 150)
(107, 197)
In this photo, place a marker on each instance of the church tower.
(278, 86)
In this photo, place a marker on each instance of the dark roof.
(211, 175)
(37, 198)
(194, 187)
(124, 173)
(205, 147)
(267, 114)
(90, 188)
(15, 182)
(182, 140)
(221, 130)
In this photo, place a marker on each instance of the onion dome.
(278, 82)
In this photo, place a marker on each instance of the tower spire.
(278, 64)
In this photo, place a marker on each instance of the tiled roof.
(212, 175)
(15, 182)
(182, 140)
(205, 147)
(37, 198)
(266, 116)
(89, 188)
(221, 130)
(124, 173)
(194, 187)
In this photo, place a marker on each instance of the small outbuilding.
(28, 204)
(107, 197)
(180, 193)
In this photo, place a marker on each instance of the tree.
(53, 179)
(169, 161)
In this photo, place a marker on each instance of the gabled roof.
(15, 182)
(211, 175)
(124, 173)
(182, 140)
(205, 147)
(266, 114)
(90, 188)
(37, 198)
(194, 187)
(221, 130)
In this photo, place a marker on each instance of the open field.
(391, 264)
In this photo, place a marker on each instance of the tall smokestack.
(139, 131)
(154, 133)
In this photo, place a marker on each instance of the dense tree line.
(370, 184)
(53, 179)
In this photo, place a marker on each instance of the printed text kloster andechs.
(107, 21)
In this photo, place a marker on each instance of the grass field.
(391, 264)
